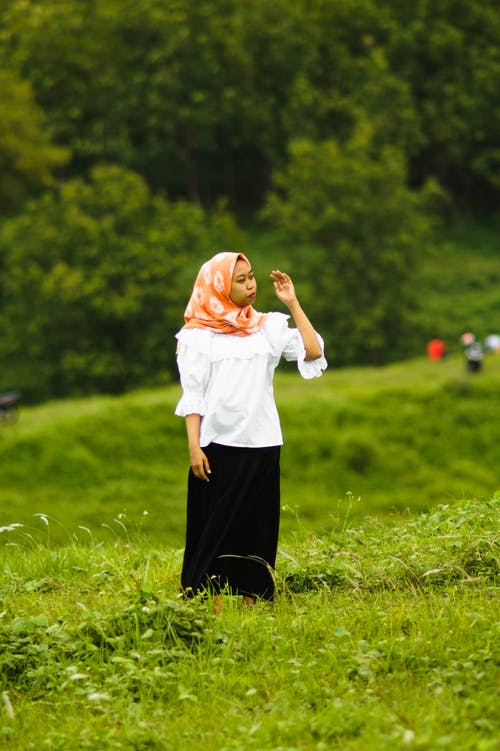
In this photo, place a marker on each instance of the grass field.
(381, 636)
(461, 276)
(384, 631)
(370, 441)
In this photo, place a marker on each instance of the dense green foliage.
(379, 637)
(448, 54)
(203, 98)
(27, 156)
(366, 441)
(92, 294)
(353, 201)
(453, 288)
(352, 124)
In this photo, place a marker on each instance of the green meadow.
(381, 636)
(384, 630)
(363, 441)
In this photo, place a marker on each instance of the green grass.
(381, 636)
(460, 277)
(376, 441)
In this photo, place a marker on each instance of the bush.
(352, 201)
(98, 276)
(27, 156)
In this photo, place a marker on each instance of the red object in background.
(436, 349)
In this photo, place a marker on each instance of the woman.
(227, 354)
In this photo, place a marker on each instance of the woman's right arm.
(197, 457)
(194, 369)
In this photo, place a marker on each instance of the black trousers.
(236, 513)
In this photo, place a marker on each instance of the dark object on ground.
(9, 406)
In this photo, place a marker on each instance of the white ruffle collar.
(224, 346)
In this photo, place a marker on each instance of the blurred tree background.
(138, 138)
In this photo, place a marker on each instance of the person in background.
(227, 355)
(473, 352)
(436, 349)
(467, 338)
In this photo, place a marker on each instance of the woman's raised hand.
(283, 286)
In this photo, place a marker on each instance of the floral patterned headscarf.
(210, 305)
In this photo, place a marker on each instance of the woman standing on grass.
(227, 354)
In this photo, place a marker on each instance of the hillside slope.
(361, 441)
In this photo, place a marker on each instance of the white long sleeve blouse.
(228, 380)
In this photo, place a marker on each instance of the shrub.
(352, 201)
(97, 282)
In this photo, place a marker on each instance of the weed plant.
(380, 636)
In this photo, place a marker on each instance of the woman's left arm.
(285, 292)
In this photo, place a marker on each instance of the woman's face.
(243, 286)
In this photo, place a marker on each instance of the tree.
(352, 202)
(96, 277)
(27, 156)
(202, 98)
(448, 52)
(188, 94)
(344, 75)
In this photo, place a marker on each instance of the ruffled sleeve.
(193, 361)
(287, 343)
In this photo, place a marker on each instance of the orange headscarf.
(210, 305)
